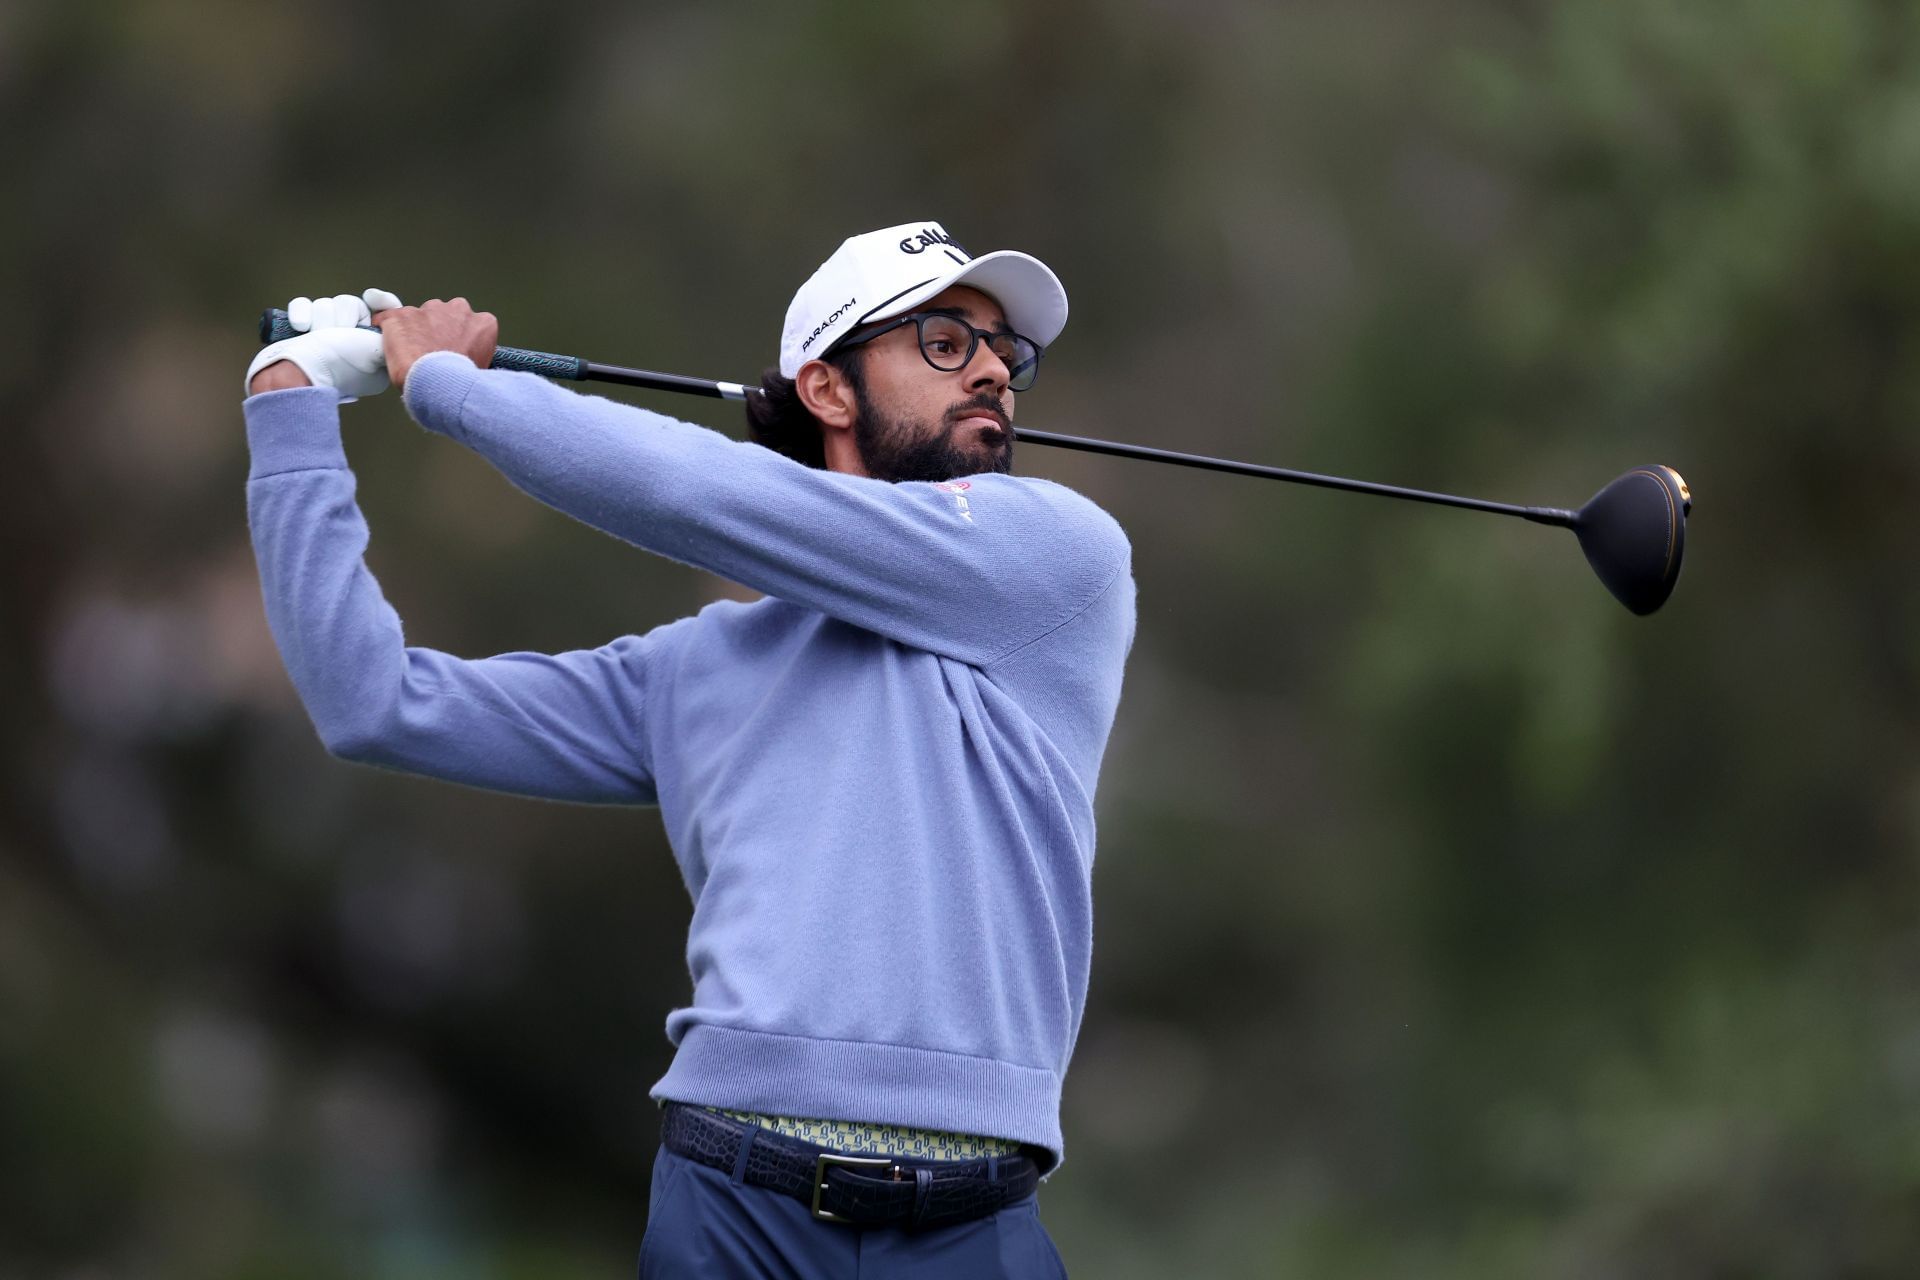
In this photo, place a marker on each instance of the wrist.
(278, 376)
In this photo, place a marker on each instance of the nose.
(986, 371)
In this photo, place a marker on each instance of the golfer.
(877, 781)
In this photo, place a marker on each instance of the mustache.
(982, 403)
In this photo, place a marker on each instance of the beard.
(893, 449)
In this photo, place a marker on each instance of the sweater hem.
(794, 1075)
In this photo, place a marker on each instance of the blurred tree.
(1452, 921)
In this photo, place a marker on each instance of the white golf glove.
(331, 349)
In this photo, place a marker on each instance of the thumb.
(379, 300)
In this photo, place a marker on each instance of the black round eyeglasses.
(947, 343)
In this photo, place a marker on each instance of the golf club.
(1633, 530)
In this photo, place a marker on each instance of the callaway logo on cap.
(890, 272)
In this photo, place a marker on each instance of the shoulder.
(1045, 515)
(1034, 499)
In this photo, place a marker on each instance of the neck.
(842, 454)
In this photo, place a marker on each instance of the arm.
(974, 575)
(565, 727)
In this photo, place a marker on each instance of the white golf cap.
(890, 272)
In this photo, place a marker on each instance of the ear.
(827, 394)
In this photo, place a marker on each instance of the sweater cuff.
(437, 387)
(297, 429)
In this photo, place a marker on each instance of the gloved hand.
(331, 349)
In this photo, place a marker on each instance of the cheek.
(915, 401)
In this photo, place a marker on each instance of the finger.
(323, 313)
(379, 300)
(381, 317)
(300, 314)
(348, 311)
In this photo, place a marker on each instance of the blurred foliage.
(1452, 921)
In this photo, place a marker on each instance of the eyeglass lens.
(948, 344)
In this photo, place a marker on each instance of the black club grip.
(275, 327)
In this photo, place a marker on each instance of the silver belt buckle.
(827, 1159)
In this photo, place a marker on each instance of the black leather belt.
(863, 1191)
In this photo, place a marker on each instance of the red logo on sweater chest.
(958, 488)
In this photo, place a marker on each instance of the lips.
(983, 419)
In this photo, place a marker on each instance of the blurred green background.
(1452, 921)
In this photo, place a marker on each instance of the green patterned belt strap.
(856, 1138)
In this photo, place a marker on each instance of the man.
(878, 781)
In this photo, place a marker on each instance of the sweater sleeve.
(973, 569)
(563, 726)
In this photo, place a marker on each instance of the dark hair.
(780, 420)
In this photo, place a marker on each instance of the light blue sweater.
(878, 781)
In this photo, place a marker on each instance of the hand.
(330, 351)
(412, 332)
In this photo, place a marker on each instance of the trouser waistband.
(838, 1187)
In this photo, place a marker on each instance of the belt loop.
(922, 1192)
(746, 1149)
(993, 1168)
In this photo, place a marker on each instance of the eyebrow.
(961, 313)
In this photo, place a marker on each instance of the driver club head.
(1633, 533)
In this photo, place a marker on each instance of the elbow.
(361, 720)
(358, 738)
(385, 718)
(349, 743)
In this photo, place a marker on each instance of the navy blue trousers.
(701, 1223)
